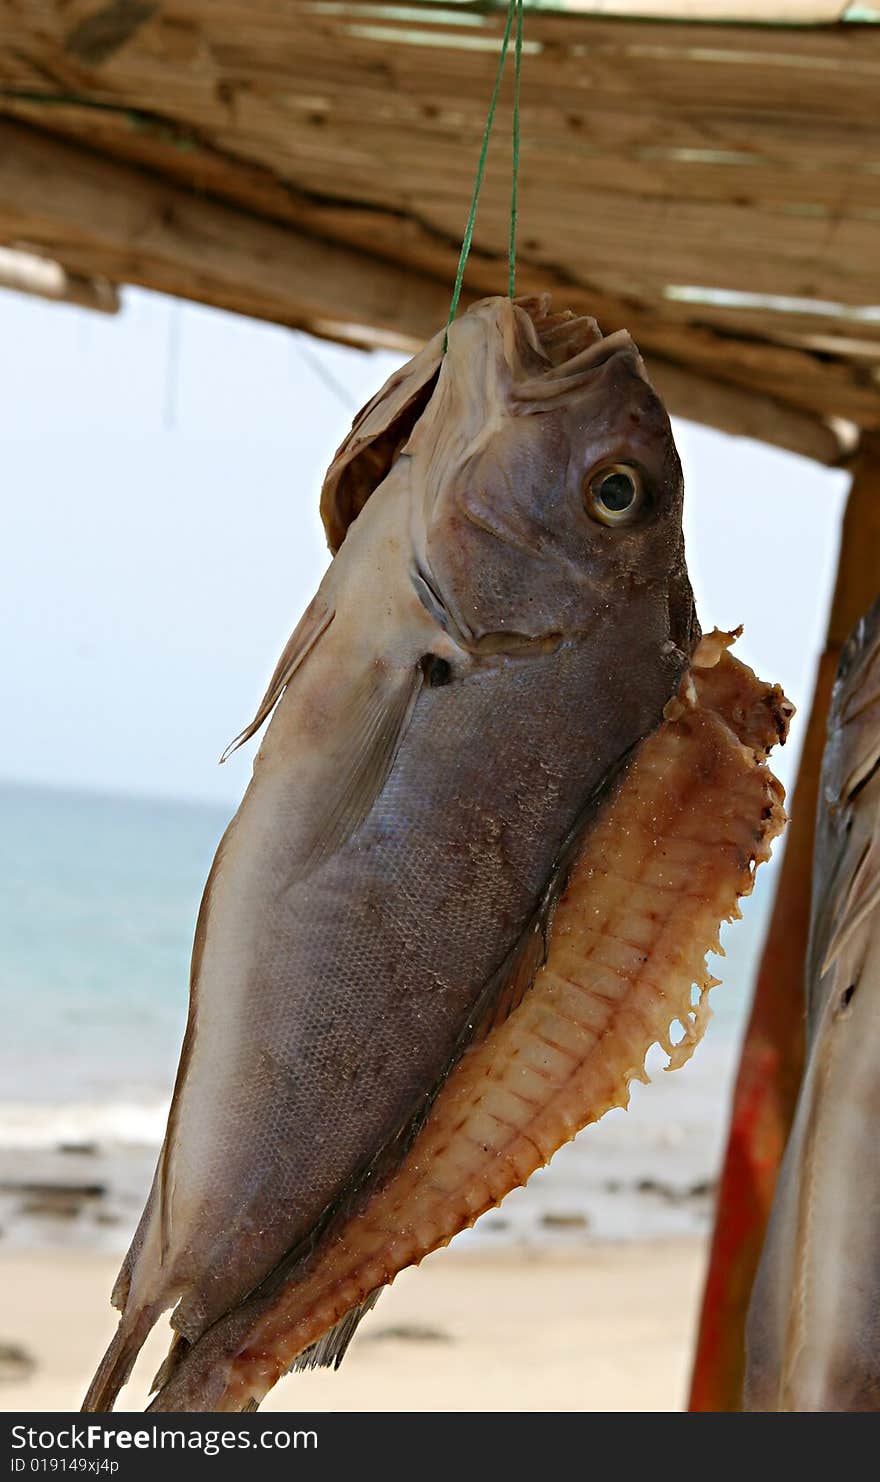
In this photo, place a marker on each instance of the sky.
(160, 536)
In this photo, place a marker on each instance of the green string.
(515, 8)
(517, 66)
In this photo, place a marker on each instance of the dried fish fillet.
(672, 849)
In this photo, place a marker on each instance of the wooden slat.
(215, 84)
(83, 209)
(384, 233)
(627, 79)
(567, 242)
(623, 77)
(818, 385)
(714, 158)
(715, 225)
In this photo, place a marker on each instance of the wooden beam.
(770, 1066)
(733, 409)
(101, 217)
(755, 12)
(762, 352)
(23, 272)
(737, 157)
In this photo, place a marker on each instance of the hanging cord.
(517, 67)
(515, 9)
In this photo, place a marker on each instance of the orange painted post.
(770, 1066)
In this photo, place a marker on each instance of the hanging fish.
(506, 617)
(813, 1338)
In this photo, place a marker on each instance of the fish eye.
(615, 494)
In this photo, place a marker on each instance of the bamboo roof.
(710, 182)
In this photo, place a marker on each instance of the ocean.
(98, 901)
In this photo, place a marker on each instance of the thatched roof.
(713, 187)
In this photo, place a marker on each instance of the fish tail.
(119, 1360)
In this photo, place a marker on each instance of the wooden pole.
(772, 1056)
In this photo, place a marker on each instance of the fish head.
(547, 485)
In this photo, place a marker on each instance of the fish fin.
(178, 1351)
(330, 1350)
(119, 1360)
(379, 712)
(327, 1353)
(314, 621)
(377, 435)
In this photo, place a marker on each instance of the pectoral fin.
(379, 712)
(314, 621)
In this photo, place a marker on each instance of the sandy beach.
(608, 1327)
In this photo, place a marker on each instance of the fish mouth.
(561, 335)
(573, 348)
